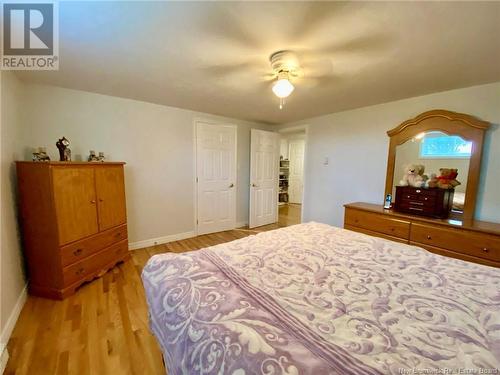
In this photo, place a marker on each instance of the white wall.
(356, 145)
(156, 142)
(12, 276)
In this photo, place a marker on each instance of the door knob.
(232, 185)
(254, 185)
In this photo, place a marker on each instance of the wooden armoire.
(74, 223)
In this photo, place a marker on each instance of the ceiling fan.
(319, 65)
(285, 66)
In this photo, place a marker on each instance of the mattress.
(315, 299)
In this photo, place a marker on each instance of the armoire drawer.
(467, 242)
(377, 223)
(79, 250)
(78, 271)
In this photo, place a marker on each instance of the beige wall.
(155, 141)
(12, 276)
(356, 143)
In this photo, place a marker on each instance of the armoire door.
(110, 189)
(75, 202)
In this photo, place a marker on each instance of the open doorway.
(291, 177)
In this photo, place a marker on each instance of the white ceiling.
(212, 56)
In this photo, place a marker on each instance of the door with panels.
(216, 177)
(296, 175)
(264, 173)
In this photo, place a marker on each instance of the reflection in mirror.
(435, 150)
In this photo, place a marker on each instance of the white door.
(296, 177)
(216, 177)
(264, 174)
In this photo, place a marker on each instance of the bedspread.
(315, 299)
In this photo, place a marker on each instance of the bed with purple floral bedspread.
(315, 299)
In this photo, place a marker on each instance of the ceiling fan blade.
(221, 70)
(318, 82)
(317, 68)
(364, 44)
(222, 23)
(315, 16)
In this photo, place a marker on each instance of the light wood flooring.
(103, 329)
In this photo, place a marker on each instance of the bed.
(316, 299)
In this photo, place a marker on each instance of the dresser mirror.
(440, 139)
(435, 150)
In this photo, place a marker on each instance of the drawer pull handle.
(101, 200)
(77, 252)
(417, 203)
(429, 237)
(356, 220)
(407, 196)
(418, 191)
(416, 208)
(80, 271)
(486, 250)
(118, 234)
(92, 201)
(426, 199)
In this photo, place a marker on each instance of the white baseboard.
(160, 240)
(9, 327)
(4, 357)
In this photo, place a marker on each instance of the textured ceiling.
(213, 56)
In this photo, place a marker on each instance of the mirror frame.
(451, 123)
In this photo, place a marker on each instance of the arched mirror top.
(440, 139)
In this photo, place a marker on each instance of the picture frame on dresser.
(458, 236)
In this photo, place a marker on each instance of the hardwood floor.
(103, 329)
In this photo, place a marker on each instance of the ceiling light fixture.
(282, 88)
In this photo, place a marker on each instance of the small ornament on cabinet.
(93, 157)
(41, 155)
(101, 156)
(64, 151)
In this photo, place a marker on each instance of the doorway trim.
(211, 121)
(305, 129)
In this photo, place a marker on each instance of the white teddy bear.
(414, 176)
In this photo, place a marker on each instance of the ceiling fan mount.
(285, 62)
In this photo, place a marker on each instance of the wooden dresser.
(474, 241)
(424, 201)
(74, 223)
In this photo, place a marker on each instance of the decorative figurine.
(92, 156)
(101, 156)
(41, 155)
(67, 154)
(64, 152)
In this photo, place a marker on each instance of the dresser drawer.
(81, 249)
(377, 223)
(94, 263)
(466, 242)
(376, 234)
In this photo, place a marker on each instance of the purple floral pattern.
(314, 299)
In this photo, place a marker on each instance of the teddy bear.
(414, 176)
(447, 179)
